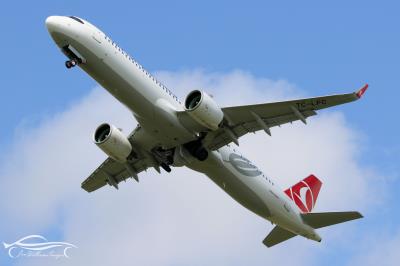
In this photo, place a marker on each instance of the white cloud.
(237, 87)
(182, 217)
(379, 249)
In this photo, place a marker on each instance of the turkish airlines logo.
(305, 193)
(243, 165)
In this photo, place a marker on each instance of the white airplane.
(196, 134)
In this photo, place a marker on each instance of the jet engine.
(202, 108)
(113, 142)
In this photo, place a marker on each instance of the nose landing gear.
(74, 56)
(71, 63)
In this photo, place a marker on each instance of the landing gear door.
(73, 54)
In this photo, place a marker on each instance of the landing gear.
(166, 167)
(68, 64)
(71, 63)
(196, 149)
(201, 154)
(164, 157)
(74, 56)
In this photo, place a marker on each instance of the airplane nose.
(52, 23)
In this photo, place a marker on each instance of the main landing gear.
(196, 149)
(71, 63)
(164, 157)
(166, 167)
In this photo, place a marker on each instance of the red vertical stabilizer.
(305, 193)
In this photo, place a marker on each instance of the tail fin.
(305, 193)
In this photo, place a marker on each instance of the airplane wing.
(250, 118)
(112, 172)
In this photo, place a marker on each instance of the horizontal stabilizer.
(322, 219)
(277, 235)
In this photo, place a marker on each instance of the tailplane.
(305, 193)
(322, 219)
(277, 235)
(315, 220)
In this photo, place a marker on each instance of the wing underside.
(222, 138)
(241, 120)
(112, 172)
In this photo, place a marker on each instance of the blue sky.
(319, 47)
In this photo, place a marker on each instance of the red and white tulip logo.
(305, 193)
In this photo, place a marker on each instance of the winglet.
(360, 93)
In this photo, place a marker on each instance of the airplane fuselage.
(155, 106)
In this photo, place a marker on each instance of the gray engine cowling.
(202, 108)
(113, 142)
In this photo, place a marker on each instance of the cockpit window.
(77, 19)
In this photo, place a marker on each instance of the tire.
(201, 154)
(68, 64)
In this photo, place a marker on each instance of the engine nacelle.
(202, 108)
(113, 142)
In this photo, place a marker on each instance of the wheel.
(73, 62)
(201, 154)
(68, 64)
(196, 149)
